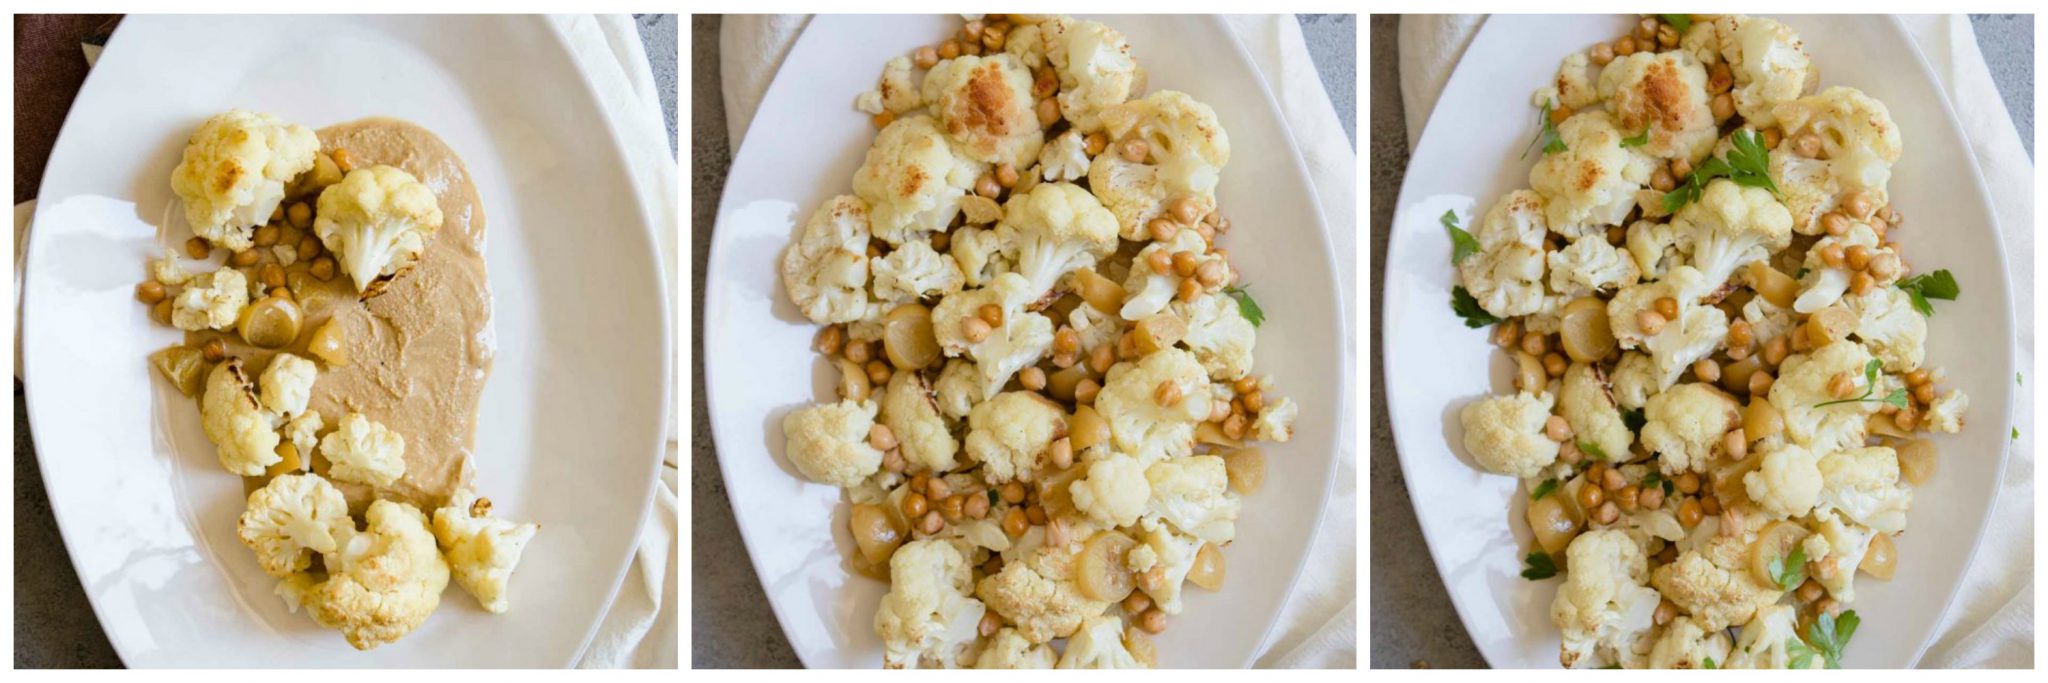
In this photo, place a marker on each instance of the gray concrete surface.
(731, 623)
(1413, 622)
(54, 625)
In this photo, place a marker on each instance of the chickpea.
(342, 160)
(300, 215)
(1806, 145)
(1628, 497)
(859, 352)
(1152, 621)
(1775, 351)
(1254, 401)
(1667, 36)
(1015, 522)
(1211, 274)
(1858, 257)
(1607, 513)
(914, 505)
(1646, 29)
(1246, 384)
(1061, 453)
(1569, 453)
(1184, 263)
(1861, 283)
(987, 186)
(1006, 174)
(198, 248)
(1625, 46)
(150, 292)
(1690, 514)
(1772, 137)
(1162, 230)
(1760, 383)
(1101, 359)
(1505, 334)
(1048, 112)
(1667, 307)
(892, 460)
(244, 258)
(1919, 377)
(1235, 425)
(949, 49)
(1885, 266)
(830, 340)
(1188, 291)
(975, 329)
(1137, 603)
(1032, 378)
(268, 235)
(1650, 497)
(1185, 209)
(1707, 370)
(1710, 505)
(953, 508)
(1857, 204)
(322, 268)
(932, 523)
(1720, 78)
(1601, 54)
(1612, 479)
(1554, 364)
(1557, 429)
(1036, 514)
(1661, 180)
(925, 57)
(1085, 391)
(881, 437)
(1666, 611)
(1650, 322)
(1681, 168)
(214, 350)
(1906, 419)
(1590, 496)
(1723, 107)
(1535, 343)
(1094, 143)
(1832, 255)
(1134, 150)
(1559, 115)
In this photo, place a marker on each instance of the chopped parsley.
(1463, 244)
(1939, 284)
(1801, 273)
(1543, 489)
(1748, 164)
(1708, 663)
(1830, 635)
(1800, 655)
(1789, 570)
(1657, 480)
(1896, 399)
(1637, 140)
(1682, 22)
(1546, 134)
(1246, 306)
(1592, 449)
(1633, 419)
(1468, 308)
(1540, 566)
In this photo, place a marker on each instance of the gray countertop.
(1413, 623)
(731, 623)
(54, 625)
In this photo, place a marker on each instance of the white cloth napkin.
(639, 628)
(1318, 623)
(1991, 623)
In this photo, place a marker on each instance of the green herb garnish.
(1682, 22)
(1245, 305)
(1789, 570)
(1543, 489)
(1830, 635)
(1592, 449)
(1468, 308)
(1637, 140)
(1708, 663)
(1546, 134)
(1633, 420)
(1800, 656)
(1463, 244)
(1658, 480)
(1939, 284)
(1801, 273)
(1748, 164)
(1896, 399)
(1540, 566)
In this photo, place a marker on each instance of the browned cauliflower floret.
(384, 581)
(1039, 596)
(244, 434)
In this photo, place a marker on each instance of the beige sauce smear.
(420, 349)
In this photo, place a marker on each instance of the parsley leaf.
(2015, 433)
(1592, 449)
(1468, 308)
(1831, 634)
(1939, 284)
(1682, 22)
(1801, 655)
(1543, 489)
(1637, 140)
(1546, 134)
(1747, 164)
(1801, 273)
(1896, 399)
(1633, 420)
(1463, 244)
(1656, 479)
(1708, 663)
(1246, 306)
(1789, 570)
(1540, 566)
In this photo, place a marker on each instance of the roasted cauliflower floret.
(1055, 229)
(1812, 417)
(927, 619)
(1506, 276)
(912, 414)
(1021, 339)
(243, 434)
(234, 171)
(1730, 227)
(1634, 380)
(1664, 94)
(211, 301)
(1823, 284)
(1787, 483)
(1008, 432)
(1193, 494)
(1130, 401)
(1095, 68)
(1945, 414)
(292, 517)
(1064, 159)
(1114, 491)
(1603, 606)
(304, 433)
(1504, 434)
(1767, 641)
(1654, 246)
(957, 389)
(1677, 344)
(287, 384)
(1863, 485)
(914, 271)
(1037, 594)
(1856, 133)
(912, 181)
(1099, 644)
(1218, 335)
(828, 442)
(1684, 645)
(1768, 62)
(377, 220)
(1276, 421)
(984, 106)
(1589, 407)
(1890, 328)
(1591, 265)
(482, 550)
(1172, 553)
(1008, 650)
(1592, 183)
(1684, 425)
(895, 93)
(364, 452)
(1148, 291)
(1186, 150)
(1712, 582)
(825, 271)
(1835, 549)
(384, 581)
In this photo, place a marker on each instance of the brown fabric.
(49, 68)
